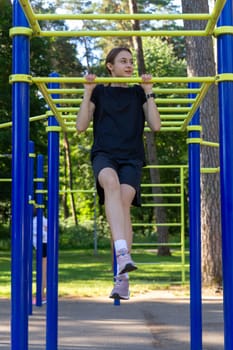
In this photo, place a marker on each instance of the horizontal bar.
(157, 90)
(123, 16)
(156, 244)
(105, 80)
(161, 205)
(161, 195)
(160, 224)
(121, 33)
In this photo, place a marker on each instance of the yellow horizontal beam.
(165, 166)
(67, 100)
(210, 170)
(65, 91)
(121, 33)
(105, 80)
(32, 119)
(212, 18)
(173, 116)
(223, 30)
(123, 16)
(174, 100)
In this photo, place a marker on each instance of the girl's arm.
(87, 107)
(150, 109)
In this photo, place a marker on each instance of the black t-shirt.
(118, 121)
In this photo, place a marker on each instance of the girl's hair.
(112, 55)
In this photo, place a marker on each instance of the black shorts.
(44, 250)
(128, 171)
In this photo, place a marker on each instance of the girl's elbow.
(80, 128)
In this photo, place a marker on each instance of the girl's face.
(122, 66)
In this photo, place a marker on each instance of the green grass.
(83, 274)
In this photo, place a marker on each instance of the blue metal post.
(53, 230)
(20, 141)
(30, 226)
(116, 302)
(195, 232)
(39, 227)
(225, 65)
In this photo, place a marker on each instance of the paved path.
(157, 321)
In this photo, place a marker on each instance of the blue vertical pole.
(20, 141)
(52, 245)
(39, 227)
(30, 226)
(225, 65)
(195, 232)
(116, 302)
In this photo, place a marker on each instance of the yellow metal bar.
(105, 80)
(157, 224)
(65, 91)
(219, 4)
(172, 109)
(69, 116)
(210, 170)
(20, 78)
(32, 119)
(194, 140)
(21, 31)
(173, 116)
(68, 100)
(223, 30)
(224, 77)
(208, 143)
(174, 166)
(67, 109)
(174, 100)
(199, 99)
(162, 205)
(194, 128)
(29, 13)
(171, 123)
(53, 107)
(160, 195)
(176, 90)
(123, 16)
(121, 33)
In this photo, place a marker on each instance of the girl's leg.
(127, 196)
(117, 205)
(108, 179)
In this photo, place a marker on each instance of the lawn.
(84, 274)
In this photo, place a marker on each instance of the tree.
(150, 143)
(200, 60)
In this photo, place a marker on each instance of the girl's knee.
(108, 179)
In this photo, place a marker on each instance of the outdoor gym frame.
(26, 25)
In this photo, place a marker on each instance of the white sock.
(124, 275)
(120, 244)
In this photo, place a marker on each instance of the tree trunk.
(200, 59)
(159, 212)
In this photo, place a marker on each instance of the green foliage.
(83, 235)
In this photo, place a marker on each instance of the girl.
(119, 112)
